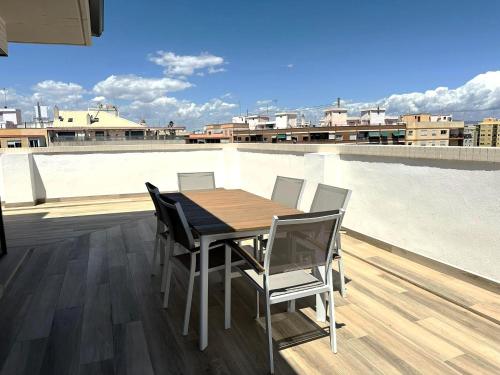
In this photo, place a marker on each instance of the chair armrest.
(245, 254)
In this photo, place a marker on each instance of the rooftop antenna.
(338, 102)
(4, 97)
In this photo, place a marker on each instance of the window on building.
(15, 143)
(443, 131)
(247, 139)
(410, 143)
(70, 119)
(34, 142)
(410, 132)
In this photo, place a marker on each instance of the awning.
(281, 136)
(399, 133)
(373, 134)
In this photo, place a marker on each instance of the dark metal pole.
(3, 242)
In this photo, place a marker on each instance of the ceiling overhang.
(52, 21)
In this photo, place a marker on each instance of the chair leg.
(291, 306)
(333, 332)
(189, 299)
(167, 273)
(257, 306)
(269, 334)
(155, 254)
(343, 291)
(166, 251)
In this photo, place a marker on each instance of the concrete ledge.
(481, 154)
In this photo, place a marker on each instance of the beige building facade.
(489, 132)
(16, 138)
(424, 129)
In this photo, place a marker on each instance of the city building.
(489, 132)
(285, 120)
(10, 118)
(254, 121)
(239, 120)
(360, 134)
(421, 130)
(16, 138)
(335, 116)
(373, 116)
(101, 123)
(471, 135)
(216, 133)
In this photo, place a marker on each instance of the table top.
(222, 211)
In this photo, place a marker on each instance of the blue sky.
(217, 55)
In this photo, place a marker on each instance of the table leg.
(204, 292)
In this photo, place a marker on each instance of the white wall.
(445, 211)
(75, 175)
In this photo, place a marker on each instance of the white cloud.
(50, 91)
(177, 65)
(482, 93)
(98, 99)
(169, 108)
(290, 66)
(132, 87)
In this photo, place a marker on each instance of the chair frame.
(327, 288)
(170, 258)
(293, 179)
(161, 228)
(181, 174)
(338, 243)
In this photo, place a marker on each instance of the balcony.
(420, 250)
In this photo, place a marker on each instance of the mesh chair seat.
(285, 283)
(216, 258)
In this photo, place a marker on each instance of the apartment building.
(286, 120)
(471, 135)
(256, 121)
(373, 116)
(216, 133)
(10, 117)
(489, 132)
(424, 129)
(335, 116)
(101, 123)
(360, 134)
(16, 138)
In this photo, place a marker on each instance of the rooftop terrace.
(420, 254)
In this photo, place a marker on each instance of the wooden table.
(224, 214)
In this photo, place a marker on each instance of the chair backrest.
(172, 212)
(153, 192)
(329, 198)
(287, 191)
(196, 181)
(302, 241)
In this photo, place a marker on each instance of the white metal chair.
(298, 245)
(196, 181)
(287, 191)
(180, 233)
(329, 198)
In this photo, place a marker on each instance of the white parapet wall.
(442, 203)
